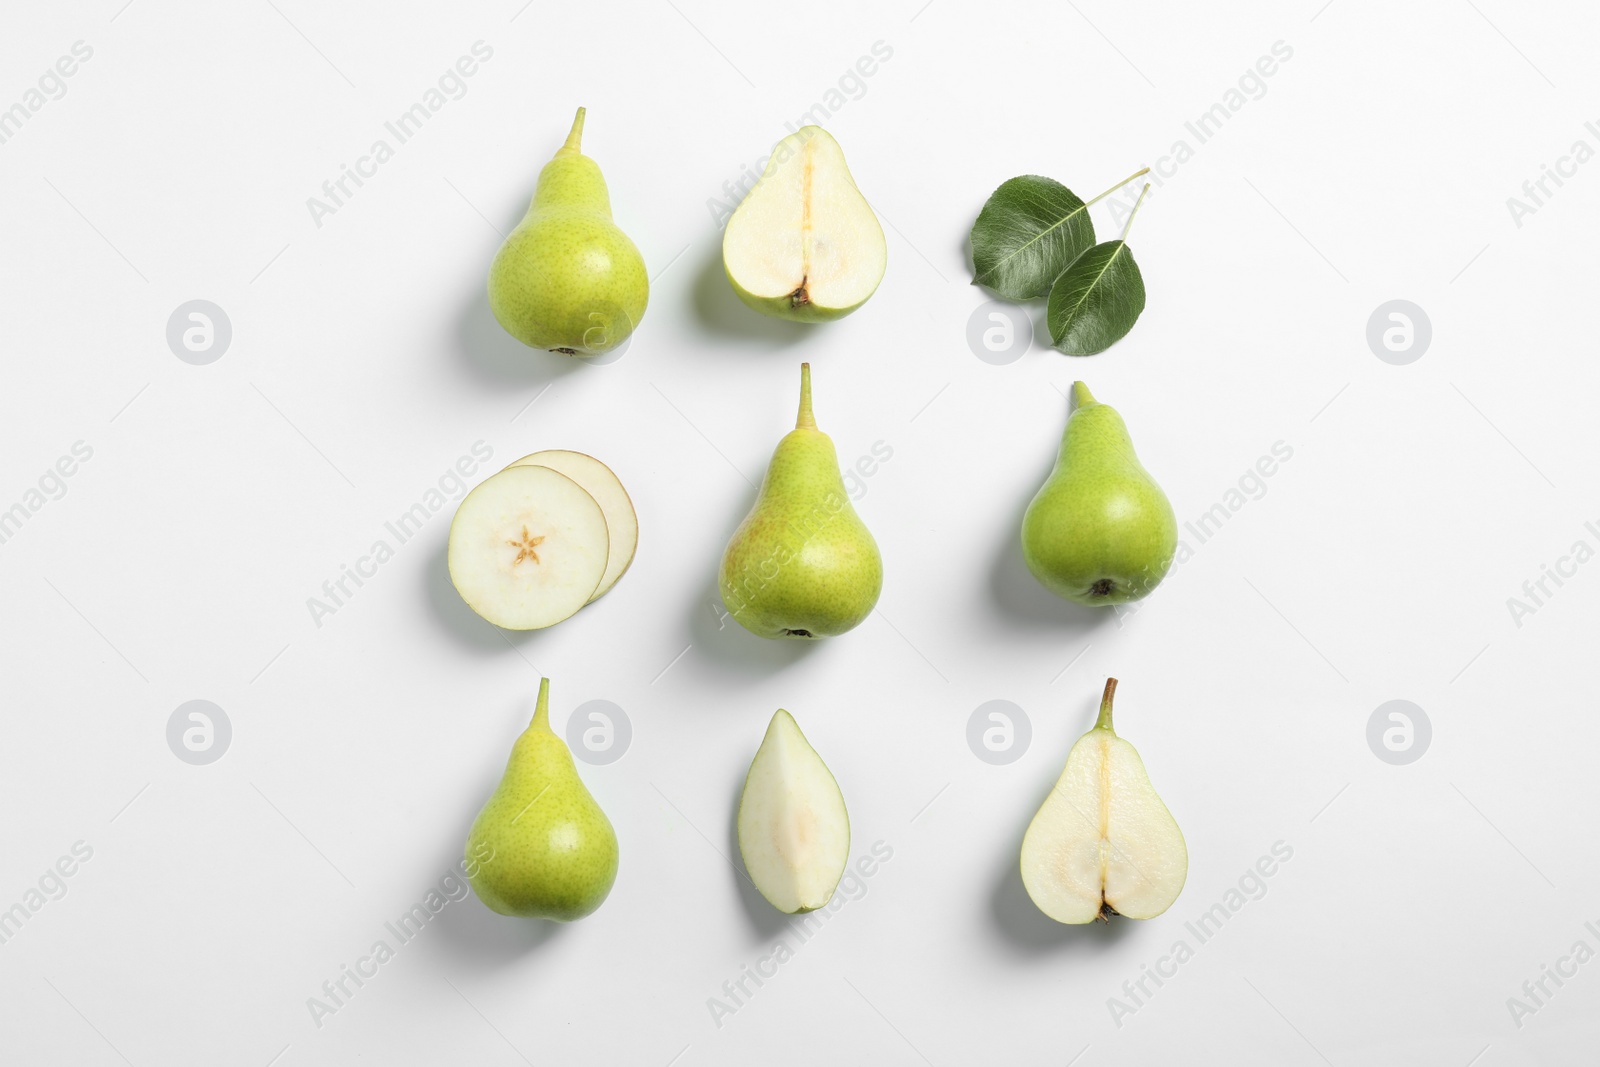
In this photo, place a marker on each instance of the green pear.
(802, 563)
(804, 244)
(567, 279)
(541, 847)
(1100, 530)
(1103, 843)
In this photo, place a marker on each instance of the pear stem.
(805, 420)
(575, 138)
(1119, 185)
(1104, 721)
(1135, 212)
(1081, 397)
(541, 710)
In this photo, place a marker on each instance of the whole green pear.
(802, 563)
(567, 279)
(1100, 530)
(541, 847)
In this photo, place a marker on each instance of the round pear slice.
(1103, 843)
(600, 482)
(794, 832)
(528, 547)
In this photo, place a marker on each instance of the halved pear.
(600, 482)
(528, 548)
(804, 244)
(1103, 843)
(794, 833)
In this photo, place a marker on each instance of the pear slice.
(528, 548)
(1103, 843)
(804, 244)
(794, 833)
(600, 482)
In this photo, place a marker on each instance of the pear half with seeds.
(804, 244)
(1103, 843)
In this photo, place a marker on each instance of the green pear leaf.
(1029, 231)
(1096, 301)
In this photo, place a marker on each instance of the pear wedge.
(804, 244)
(794, 832)
(1103, 843)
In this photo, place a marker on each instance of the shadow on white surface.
(1019, 594)
(1029, 931)
(735, 650)
(718, 637)
(456, 618)
(477, 939)
(719, 309)
(497, 359)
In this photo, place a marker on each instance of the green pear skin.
(1100, 530)
(802, 564)
(567, 279)
(541, 846)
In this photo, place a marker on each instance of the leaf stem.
(1119, 185)
(1135, 212)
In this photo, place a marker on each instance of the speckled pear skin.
(802, 564)
(541, 846)
(1100, 531)
(567, 279)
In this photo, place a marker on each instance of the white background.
(364, 361)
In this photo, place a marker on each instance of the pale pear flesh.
(600, 482)
(528, 548)
(1103, 843)
(802, 564)
(804, 244)
(794, 831)
(541, 847)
